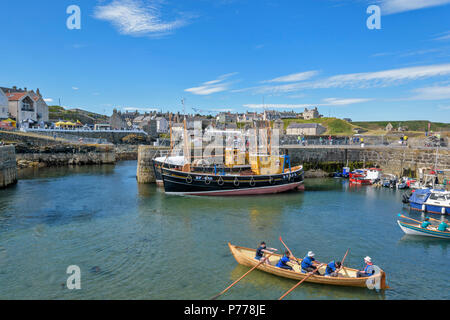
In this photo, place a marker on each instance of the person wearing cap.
(309, 264)
(443, 225)
(333, 269)
(368, 269)
(261, 250)
(284, 260)
(426, 223)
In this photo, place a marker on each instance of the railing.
(82, 130)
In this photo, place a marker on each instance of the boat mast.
(187, 166)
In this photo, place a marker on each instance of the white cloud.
(75, 88)
(212, 86)
(140, 109)
(432, 93)
(343, 102)
(360, 80)
(324, 103)
(397, 6)
(443, 36)
(48, 100)
(294, 77)
(137, 18)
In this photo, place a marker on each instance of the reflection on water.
(132, 241)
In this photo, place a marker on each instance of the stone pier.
(145, 173)
(395, 160)
(8, 170)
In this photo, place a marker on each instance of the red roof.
(16, 96)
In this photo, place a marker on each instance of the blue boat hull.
(437, 209)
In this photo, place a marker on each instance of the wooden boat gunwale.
(296, 275)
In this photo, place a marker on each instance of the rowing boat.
(417, 230)
(347, 276)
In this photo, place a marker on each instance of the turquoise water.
(133, 242)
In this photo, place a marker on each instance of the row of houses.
(268, 115)
(24, 106)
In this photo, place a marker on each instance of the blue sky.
(234, 55)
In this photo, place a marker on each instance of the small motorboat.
(347, 276)
(365, 176)
(417, 230)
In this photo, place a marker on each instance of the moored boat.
(347, 276)
(417, 230)
(429, 200)
(178, 182)
(365, 176)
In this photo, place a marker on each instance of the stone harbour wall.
(8, 169)
(145, 173)
(396, 160)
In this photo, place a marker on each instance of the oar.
(342, 263)
(402, 216)
(284, 244)
(303, 280)
(229, 287)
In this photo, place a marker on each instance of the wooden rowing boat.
(347, 276)
(417, 230)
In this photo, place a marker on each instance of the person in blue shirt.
(309, 264)
(426, 223)
(284, 260)
(333, 268)
(368, 269)
(261, 250)
(443, 226)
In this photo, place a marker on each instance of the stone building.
(4, 111)
(311, 114)
(389, 127)
(117, 121)
(306, 129)
(22, 109)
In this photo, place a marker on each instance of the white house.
(22, 107)
(4, 110)
(162, 125)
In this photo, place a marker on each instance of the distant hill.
(414, 125)
(57, 113)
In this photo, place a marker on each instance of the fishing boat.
(347, 276)
(179, 182)
(417, 230)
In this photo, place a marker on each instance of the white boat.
(438, 202)
(417, 230)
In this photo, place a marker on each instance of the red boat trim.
(244, 192)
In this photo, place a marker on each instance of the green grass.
(334, 126)
(57, 113)
(414, 125)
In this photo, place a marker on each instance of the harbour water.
(133, 242)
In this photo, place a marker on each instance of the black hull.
(177, 182)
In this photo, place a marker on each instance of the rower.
(368, 269)
(443, 225)
(309, 264)
(261, 250)
(284, 260)
(426, 223)
(333, 269)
